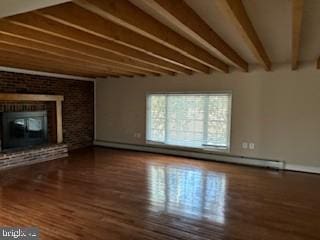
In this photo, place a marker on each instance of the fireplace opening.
(24, 129)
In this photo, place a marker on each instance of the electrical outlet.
(137, 135)
(244, 145)
(251, 146)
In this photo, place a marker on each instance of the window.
(189, 120)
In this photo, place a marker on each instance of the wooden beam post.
(59, 121)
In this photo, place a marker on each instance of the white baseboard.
(301, 168)
(200, 155)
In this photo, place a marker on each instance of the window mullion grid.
(205, 119)
(229, 120)
(166, 119)
(149, 122)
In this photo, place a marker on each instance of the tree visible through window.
(190, 120)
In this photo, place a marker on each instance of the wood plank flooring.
(100, 193)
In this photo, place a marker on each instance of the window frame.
(226, 149)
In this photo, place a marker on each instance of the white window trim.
(205, 148)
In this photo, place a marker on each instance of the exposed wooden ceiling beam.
(16, 60)
(45, 25)
(87, 21)
(126, 14)
(66, 53)
(186, 19)
(235, 11)
(34, 54)
(297, 13)
(13, 29)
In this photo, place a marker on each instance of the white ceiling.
(13, 7)
(272, 21)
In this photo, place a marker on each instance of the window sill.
(203, 149)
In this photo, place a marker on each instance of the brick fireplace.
(77, 109)
(24, 134)
(77, 114)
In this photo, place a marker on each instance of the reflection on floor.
(187, 192)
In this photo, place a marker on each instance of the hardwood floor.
(108, 194)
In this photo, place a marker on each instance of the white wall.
(13, 7)
(278, 111)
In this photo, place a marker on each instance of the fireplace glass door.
(23, 129)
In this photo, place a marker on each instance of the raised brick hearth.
(32, 156)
